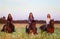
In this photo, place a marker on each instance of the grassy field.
(20, 33)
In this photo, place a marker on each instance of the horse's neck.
(51, 25)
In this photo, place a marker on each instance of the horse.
(8, 27)
(49, 28)
(31, 28)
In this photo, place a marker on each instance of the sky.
(20, 9)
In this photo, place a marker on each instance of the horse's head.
(33, 23)
(50, 27)
(52, 22)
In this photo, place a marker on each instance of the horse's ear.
(52, 20)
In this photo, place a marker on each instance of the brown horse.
(49, 28)
(8, 27)
(31, 28)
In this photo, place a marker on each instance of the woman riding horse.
(31, 28)
(9, 27)
(49, 28)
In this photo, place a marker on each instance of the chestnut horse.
(49, 28)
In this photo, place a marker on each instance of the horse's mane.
(51, 23)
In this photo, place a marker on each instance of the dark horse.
(49, 28)
(8, 27)
(31, 28)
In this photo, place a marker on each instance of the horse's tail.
(43, 27)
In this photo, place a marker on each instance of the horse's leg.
(13, 28)
(35, 31)
(27, 30)
(3, 28)
(42, 32)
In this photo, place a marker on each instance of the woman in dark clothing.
(9, 19)
(9, 27)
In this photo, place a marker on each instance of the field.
(20, 33)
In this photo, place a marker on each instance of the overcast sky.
(20, 9)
